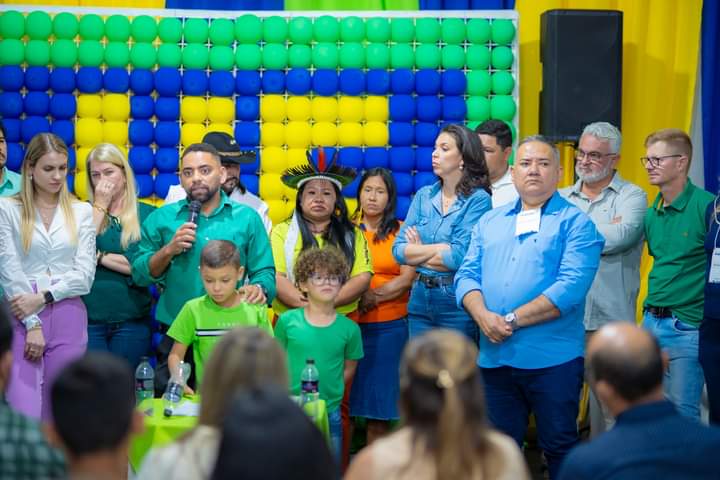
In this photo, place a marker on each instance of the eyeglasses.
(591, 156)
(332, 280)
(656, 161)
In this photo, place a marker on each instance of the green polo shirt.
(10, 183)
(181, 281)
(676, 235)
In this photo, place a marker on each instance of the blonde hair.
(109, 153)
(40, 145)
(674, 137)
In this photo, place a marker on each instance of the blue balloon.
(37, 78)
(72, 159)
(65, 130)
(403, 205)
(422, 179)
(31, 126)
(221, 84)
(253, 167)
(11, 104)
(351, 157)
(376, 157)
(12, 127)
(423, 159)
(36, 103)
(145, 184)
(402, 108)
(378, 82)
(429, 108)
(247, 108)
(454, 108)
(62, 80)
(251, 182)
(402, 159)
(141, 81)
(247, 133)
(453, 82)
(167, 108)
(426, 133)
(142, 160)
(167, 134)
(12, 78)
(352, 81)
(401, 134)
(404, 183)
(70, 180)
(163, 182)
(15, 154)
(116, 80)
(299, 81)
(141, 132)
(247, 82)
(194, 82)
(167, 160)
(273, 81)
(142, 106)
(63, 106)
(325, 82)
(89, 80)
(402, 81)
(168, 81)
(351, 189)
(427, 82)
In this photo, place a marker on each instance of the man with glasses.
(675, 229)
(496, 139)
(617, 208)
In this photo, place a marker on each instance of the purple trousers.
(64, 326)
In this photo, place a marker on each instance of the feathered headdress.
(341, 176)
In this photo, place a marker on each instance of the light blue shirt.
(10, 184)
(454, 227)
(558, 262)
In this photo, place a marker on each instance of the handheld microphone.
(194, 214)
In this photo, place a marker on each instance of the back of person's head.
(93, 404)
(441, 398)
(328, 260)
(6, 337)
(268, 437)
(245, 357)
(498, 129)
(220, 253)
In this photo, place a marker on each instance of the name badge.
(714, 276)
(528, 221)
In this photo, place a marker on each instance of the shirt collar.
(615, 184)
(680, 201)
(550, 207)
(224, 201)
(647, 411)
(506, 179)
(6, 180)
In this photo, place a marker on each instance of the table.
(161, 430)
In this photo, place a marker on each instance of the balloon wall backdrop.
(378, 88)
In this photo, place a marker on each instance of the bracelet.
(100, 209)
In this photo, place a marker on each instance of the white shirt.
(52, 263)
(503, 191)
(177, 193)
(192, 457)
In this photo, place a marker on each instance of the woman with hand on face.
(118, 310)
(47, 261)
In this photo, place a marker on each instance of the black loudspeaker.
(581, 55)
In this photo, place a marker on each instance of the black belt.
(431, 281)
(659, 312)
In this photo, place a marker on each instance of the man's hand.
(254, 294)
(34, 344)
(368, 301)
(494, 326)
(26, 304)
(183, 239)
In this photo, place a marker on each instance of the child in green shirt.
(317, 331)
(203, 320)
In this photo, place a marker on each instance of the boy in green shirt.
(203, 320)
(317, 331)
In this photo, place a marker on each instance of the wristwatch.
(32, 323)
(48, 297)
(511, 321)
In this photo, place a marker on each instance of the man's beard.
(592, 177)
(202, 195)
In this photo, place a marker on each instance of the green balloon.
(90, 53)
(65, 25)
(300, 56)
(325, 55)
(170, 30)
(63, 53)
(195, 55)
(222, 31)
(12, 51)
(377, 29)
(352, 29)
(274, 56)
(502, 83)
(38, 25)
(222, 57)
(402, 56)
(274, 29)
(478, 108)
(195, 30)
(478, 83)
(326, 29)
(427, 55)
(92, 27)
(143, 55)
(117, 54)
(478, 57)
(352, 55)
(377, 55)
(427, 30)
(472, 125)
(402, 30)
(12, 25)
(300, 30)
(248, 57)
(37, 53)
(501, 58)
(453, 56)
(502, 107)
(248, 29)
(144, 28)
(117, 28)
(169, 55)
(478, 30)
(453, 30)
(502, 31)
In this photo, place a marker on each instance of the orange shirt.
(386, 269)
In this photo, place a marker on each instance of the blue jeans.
(129, 340)
(430, 308)
(683, 382)
(336, 433)
(552, 394)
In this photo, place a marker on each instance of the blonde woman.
(47, 261)
(245, 358)
(118, 310)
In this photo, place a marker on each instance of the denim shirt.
(454, 227)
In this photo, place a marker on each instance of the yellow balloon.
(350, 134)
(193, 109)
(351, 204)
(289, 194)
(116, 106)
(376, 134)
(271, 187)
(324, 109)
(81, 185)
(192, 133)
(290, 206)
(376, 109)
(116, 133)
(272, 134)
(89, 106)
(273, 160)
(221, 110)
(81, 158)
(324, 134)
(351, 109)
(272, 108)
(299, 109)
(276, 210)
(296, 157)
(88, 132)
(221, 127)
(298, 134)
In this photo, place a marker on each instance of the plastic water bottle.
(144, 384)
(310, 387)
(175, 388)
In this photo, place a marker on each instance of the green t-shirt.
(329, 346)
(201, 322)
(676, 240)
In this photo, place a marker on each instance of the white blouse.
(53, 262)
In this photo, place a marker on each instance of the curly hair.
(328, 260)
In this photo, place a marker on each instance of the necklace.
(447, 201)
(46, 214)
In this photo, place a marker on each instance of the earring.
(462, 167)
(31, 176)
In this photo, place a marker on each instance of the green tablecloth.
(160, 430)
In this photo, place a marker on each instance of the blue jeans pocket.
(681, 326)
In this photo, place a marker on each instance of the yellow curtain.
(661, 43)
